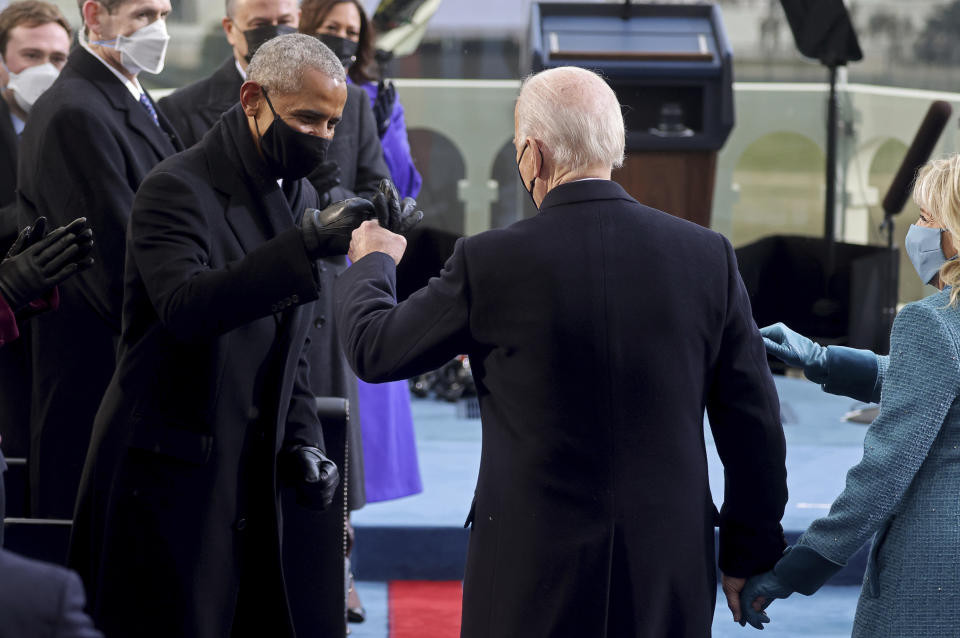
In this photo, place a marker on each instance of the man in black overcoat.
(598, 332)
(88, 144)
(177, 531)
(34, 42)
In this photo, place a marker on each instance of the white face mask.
(143, 50)
(31, 83)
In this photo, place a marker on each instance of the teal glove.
(796, 350)
(767, 586)
(801, 569)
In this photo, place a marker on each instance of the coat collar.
(582, 191)
(163, 139)
(240, 174)
(223, 89)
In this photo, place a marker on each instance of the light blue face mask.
(923, 248)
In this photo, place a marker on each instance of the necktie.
(147, 104)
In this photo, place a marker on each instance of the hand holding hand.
(731, 589)
(757, 594)
(327, 232)
(372, 238)
(394, 215)
(37, 263)
(314, 476)
(796, 350)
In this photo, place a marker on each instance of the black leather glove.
(35, 265)
(383, 105)
(392, 214)
(325, 177)
(312, 474)
(327, 232)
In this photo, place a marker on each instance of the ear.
(250, 95)
(535, 150)
(91, 15)
(228, 27)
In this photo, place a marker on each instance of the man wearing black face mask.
(177, 530)
(356, 163)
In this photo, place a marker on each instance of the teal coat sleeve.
(918, 389)
(854, 373)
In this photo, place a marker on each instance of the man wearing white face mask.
(89, 142)
(34, 44)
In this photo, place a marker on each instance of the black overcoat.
(15, 389)
(598, 332)
(86, 147)
(179, 502)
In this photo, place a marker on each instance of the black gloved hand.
(29, 236)
(312, 474)
(327, 232)
(383, 105)
(392, 214)
(40, 264)
(325, 177)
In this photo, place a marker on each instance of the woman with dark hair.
(344, 27)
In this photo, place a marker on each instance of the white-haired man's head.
(576, 115)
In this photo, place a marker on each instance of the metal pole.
(829, 217)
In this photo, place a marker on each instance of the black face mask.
(343, 48)
(289, 153)
(533, 182)
(257, 37)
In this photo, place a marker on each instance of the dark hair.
(29, 13)
(312, 15)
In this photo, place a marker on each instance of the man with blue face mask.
(89, 142)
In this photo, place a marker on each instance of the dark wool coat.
(598, 332)
(86, 147)
(178, 513)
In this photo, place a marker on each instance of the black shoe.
(355, 611)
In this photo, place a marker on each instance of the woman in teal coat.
(905, 492)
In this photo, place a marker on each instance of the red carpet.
(425, 609)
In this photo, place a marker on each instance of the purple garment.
(396, 149)
(391, 469)
(390, 462)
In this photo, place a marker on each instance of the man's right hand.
(35, 265)
(326, 232)
(796, 350)
(372, 238)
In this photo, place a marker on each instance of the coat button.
(295, 299)
(240, 525)
(320, 321)
(274, 308)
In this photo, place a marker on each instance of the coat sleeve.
(854, 373)
(744, 414)
(74, 622)
(170, 244)
(384, 341)
(920, 386)
(396, 152)
(97, 188)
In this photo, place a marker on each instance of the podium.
(671, 67)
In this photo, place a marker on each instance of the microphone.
(917, 155)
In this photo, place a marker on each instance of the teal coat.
(905, 492)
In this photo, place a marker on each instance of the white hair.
(577, 116)
(279, 64)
